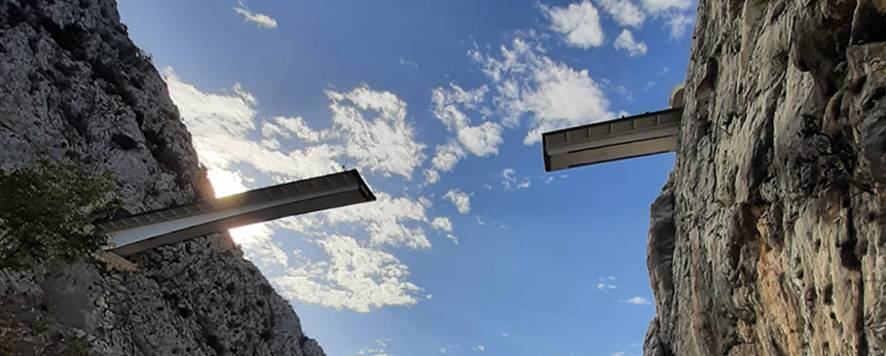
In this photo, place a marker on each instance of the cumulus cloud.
(450, 107)
(481, 140)
(638, 301)
(375, 130)
(293, 127)
(579, 23)
(355, 277)
(624, 12)
(447, 156)
(221, 125)
(449, 104)
(261, 20)
(442, 223)
(431, 176)
(459, 199)
(387, 220)
(480, 348)
(676, 14)
(679, 24)
(553, 94)
(626, 41)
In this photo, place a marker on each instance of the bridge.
(623, 138)
(627, 137)
(136, 233)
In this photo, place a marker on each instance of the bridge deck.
(151, 229)
(623, 138)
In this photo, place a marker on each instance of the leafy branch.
(47, 213)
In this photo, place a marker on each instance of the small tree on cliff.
(47, 211)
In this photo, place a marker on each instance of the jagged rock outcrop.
(74, 87)
(770, 237)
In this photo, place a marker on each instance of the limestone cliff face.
(73, 86)
(770, 237)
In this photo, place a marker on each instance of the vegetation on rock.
(47, 211)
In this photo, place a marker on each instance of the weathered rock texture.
(770, 237)
(74, 87)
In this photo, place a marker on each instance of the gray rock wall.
(74, 87)
(770, 237)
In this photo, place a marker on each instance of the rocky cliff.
(74, 87)
(770, 236)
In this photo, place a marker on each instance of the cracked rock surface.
(74, 87)
(770, 236)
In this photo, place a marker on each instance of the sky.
(471, 248)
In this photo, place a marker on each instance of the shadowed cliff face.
(770, 237)
(74, 87)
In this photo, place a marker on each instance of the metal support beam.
(623, 138)
(151, 229)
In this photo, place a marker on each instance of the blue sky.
(472, 249)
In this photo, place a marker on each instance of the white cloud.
(262, 20)
(385, 144)
(447, 156)
(619, 353)
(638, 301)
(511, 182)
(480, 348)
(407, 62)
(657, 6)
(626, 41)
(221, 126)
(442, 223)
(387, 220)
(431, 176)
(679, 23)
(460, 200)
(379, 349)
(481, 140)
(606, 283)
(356, 277)
(288, 127)
(579, 23)
(448, 104)
(676, 14)
(445, 349)
(624, 12)
(554, 94)
(450, 107)
(425, 202)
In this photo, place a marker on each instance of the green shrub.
(47, 211)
